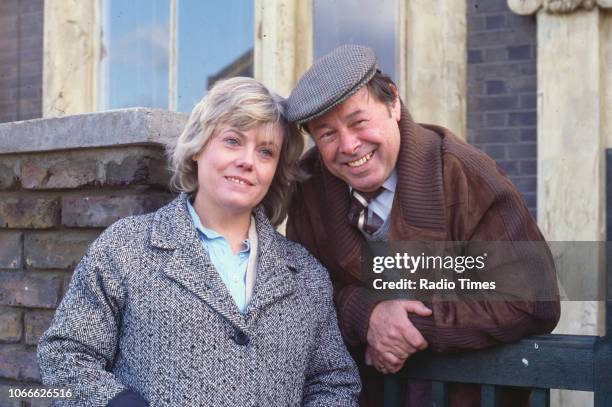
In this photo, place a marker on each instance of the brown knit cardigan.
(446, 191)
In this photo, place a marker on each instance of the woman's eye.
(233, 141)
(266, 152)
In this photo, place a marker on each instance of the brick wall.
(53, 203)
(502, 85)
(21, 59)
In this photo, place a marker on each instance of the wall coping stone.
(133, 126)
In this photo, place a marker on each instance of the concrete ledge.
(107, 129)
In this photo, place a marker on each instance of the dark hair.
(383, 88)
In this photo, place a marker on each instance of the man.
(376, 175)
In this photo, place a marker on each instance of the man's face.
(359, 140)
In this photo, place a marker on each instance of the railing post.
(602, 373)
(394, 393)
(540, 397)
(439, 394)
(488, 395)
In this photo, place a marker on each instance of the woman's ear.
(196, 156)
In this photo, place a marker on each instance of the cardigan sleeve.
(332, 378)
(78, 349)
(494, 211)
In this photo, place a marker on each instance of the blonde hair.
(242, 103)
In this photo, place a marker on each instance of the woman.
(203, 302)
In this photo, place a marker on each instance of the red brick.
(5, 393)
(40, 402)
(137, 166)
(101, 211)
(18, 362)
(36, 323)
(9, 174)
(54, 173)
(29, 212)
(56, 250)
(29, 289)
(11, 250)
(11, 324)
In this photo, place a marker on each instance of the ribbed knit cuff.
(427, 327)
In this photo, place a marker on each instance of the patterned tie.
(358, 213)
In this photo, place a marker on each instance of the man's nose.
(349, 142)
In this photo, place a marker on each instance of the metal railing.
(540, 363)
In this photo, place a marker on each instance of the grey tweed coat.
(147, 311)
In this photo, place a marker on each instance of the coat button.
(241, 338)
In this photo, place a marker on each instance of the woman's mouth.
(238, 180)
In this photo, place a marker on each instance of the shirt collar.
(208, 233)
(390, 183)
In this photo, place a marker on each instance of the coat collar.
(191, 267)
(419, 202)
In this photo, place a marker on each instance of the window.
(370, 23)
(213, 40)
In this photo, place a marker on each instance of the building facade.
(528, 82)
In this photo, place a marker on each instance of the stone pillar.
(71, 55)
(283, 42)
(432, 77)
(574, 127)
(62, 181)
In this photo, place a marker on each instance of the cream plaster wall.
(283, 42)
(71, 51)
(574, 101)
(432, 61)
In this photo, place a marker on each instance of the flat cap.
(331, 80)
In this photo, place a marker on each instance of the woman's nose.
(245, 161)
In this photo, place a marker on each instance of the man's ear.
(396, 107)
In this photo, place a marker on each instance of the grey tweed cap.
(331, 80)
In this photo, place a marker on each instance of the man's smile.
(361, 161)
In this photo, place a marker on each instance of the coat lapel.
(275, 272)
(190, 265)
(192, 268)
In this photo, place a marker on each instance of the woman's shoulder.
(129, 227)
(138, 229)
(305, 265)
(129, 234)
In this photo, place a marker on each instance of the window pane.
(215, 41)
(363, 22)
(135, 40)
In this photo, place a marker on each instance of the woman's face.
(236, 167)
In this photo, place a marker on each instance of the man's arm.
(493, 211)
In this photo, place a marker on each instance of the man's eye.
(326, 135)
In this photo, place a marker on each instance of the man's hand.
(391, 337)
